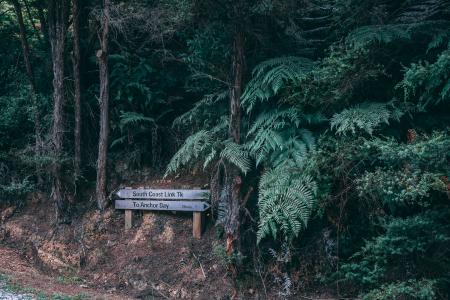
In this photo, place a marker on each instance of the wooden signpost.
(160, 199)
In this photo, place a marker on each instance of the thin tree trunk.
(30, 17)
(77, 86)
(43, 22)
(102, 56)
(24, 41)
(232, 226)
(30, 74)
(236, 89)
(57, 12)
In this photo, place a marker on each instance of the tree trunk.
(43, 21)
(234, 180)
(24, 41)
(236, 88)
(30, 17)
(57, 12)
(30, 74)
(77, 86)
(102, 56)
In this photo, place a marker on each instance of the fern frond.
(207, 104)
(416, 18)
(263, 143)
(418, 11)
(133, 118)
(276, 134)
(428, 84)
(194, 146)
(237, 155)
(118, 141)
(271, 75)
(308, 138)
(201, 146)
(366, 116)
(295, 151)
(211, 156)
(382, 34)
(286, 201)
(439, 39)
(277, 119)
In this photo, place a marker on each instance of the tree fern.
(276, 139)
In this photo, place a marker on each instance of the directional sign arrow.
(162, 205)
(205, 206)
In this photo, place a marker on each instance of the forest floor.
(94, 255)
(23, 280)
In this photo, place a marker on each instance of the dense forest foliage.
(322, 125)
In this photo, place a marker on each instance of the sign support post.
(197, 224)
(128, 219)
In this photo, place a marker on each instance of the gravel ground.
(7, 295)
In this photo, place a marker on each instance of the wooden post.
(197, 219)
(128, 219)
(197, 224)
(128, 215)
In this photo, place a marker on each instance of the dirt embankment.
(25, 274)
(157, 258)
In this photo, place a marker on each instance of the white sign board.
(163, 194)
(162, 205)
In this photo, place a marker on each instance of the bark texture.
(57, 18)
(102, 56)
(234, 180)
(77, 86)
